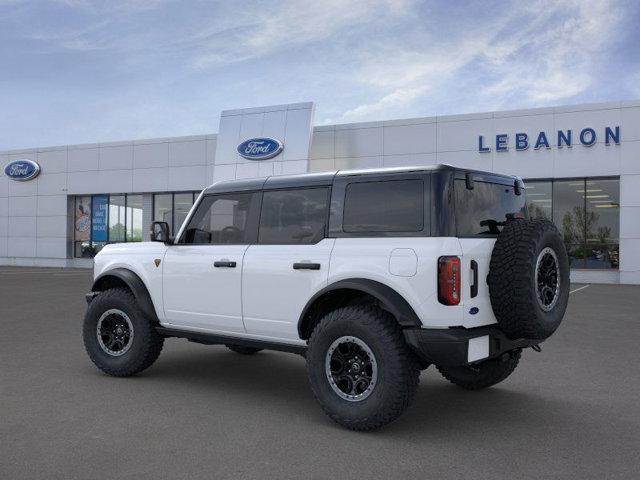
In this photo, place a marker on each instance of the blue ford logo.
(260, 148)
(22, 170)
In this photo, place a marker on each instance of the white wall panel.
(84, 182)
(228, 139)
(358, 162)
(630, 254)
(22, 189)
(3, 248)
(322, 144)
(297, 135)
(188, 153)
(412, 160)
(248, 170)
(150, 179)
(83, 159)
(273, 125)
(630, 157)
(629, 222)
(51, 205)
(358, 142)
(151, 155)
(21, 246)
(51, 247)
(115, 181)
(22, 207)
(187, 178)
(4, 206)
(463, 135)
(52, 226)
(630, 191)
(581, 161)
(53, 161)
(118, 157)
(630, 124)
(596, 119)
(52, 183)
(4, 226)
(420, 138)
(22, 227)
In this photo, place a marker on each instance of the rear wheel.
(484, 374)
(243, 350)
(360, 369)
(118, 337)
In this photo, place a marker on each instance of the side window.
(293, 216)
(221, 219)
(384, 206)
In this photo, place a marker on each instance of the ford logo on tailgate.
(22, 170)
(260, 148)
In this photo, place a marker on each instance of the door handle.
(474, 270)
(306, 266)
(224, 263)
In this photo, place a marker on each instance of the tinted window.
(293, 216)
(220, 219)
(483, 210)
(389, 206)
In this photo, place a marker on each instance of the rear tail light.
(449, 280)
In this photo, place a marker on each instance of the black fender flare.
(135, 284)
(389, 299)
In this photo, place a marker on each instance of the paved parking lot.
(572, 411)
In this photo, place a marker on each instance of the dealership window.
(102, 219)
(173, 208)
(587, 213)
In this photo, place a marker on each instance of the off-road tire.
(146, 344)
(241, 349)
(482, 375)
(512, 279)
(398, 368)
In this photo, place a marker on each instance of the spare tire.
(529, 279)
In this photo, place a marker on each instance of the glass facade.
(173, 208)
(102, 219)
(587, 213)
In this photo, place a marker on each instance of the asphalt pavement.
(571, 411)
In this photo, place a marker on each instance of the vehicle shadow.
(279, 382)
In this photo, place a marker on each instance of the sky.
(80, 71)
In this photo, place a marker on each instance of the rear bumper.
(460, 346)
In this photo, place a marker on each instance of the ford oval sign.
(260, 148)
(22, 170)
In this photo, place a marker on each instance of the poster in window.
(99, 210)
(83, 219)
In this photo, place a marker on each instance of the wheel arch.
(346, 291)
(123, 277)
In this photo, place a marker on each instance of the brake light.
(449, 280)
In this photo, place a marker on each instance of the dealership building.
(581, 165)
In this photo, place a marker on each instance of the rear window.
(385, 206)
(483, 210)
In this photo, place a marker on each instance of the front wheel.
(360, 369)
(120, 340)
(484, 374)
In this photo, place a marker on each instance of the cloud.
(539, 53)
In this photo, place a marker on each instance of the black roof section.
(326, 178)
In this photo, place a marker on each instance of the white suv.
(371, 275)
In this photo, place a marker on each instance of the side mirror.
(160, 232)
